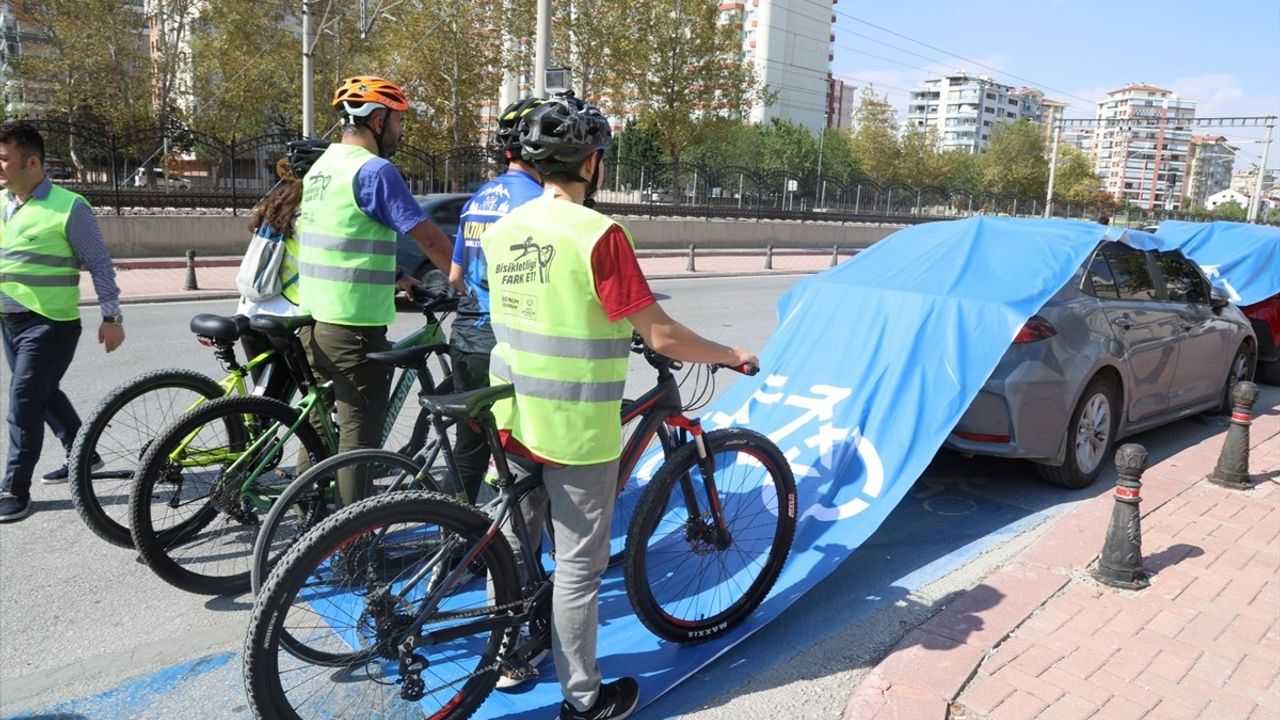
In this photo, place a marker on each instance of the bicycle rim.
(344, 591)
(686, 582)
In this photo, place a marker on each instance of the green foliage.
(1231, 210)
(875, 138)
(1075, 182)
(1015, 161)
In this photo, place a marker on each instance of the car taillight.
(1037, 328)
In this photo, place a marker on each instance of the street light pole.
(822, 136)
(1255, 202)
(1053, 170)
(542, 48)
(308, 47)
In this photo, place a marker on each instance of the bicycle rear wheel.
(118, 431)
(687, 581)
(350, 589)
(191, 522)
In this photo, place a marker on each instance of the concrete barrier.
(169, 236)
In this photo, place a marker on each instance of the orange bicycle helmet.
(360, 95)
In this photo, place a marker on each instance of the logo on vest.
(524, 269)
(314, 187)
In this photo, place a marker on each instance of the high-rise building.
(788, 43)
(1142, 145)
(841, 103)
(1051, 112)
(965, 108)
(1209, 161)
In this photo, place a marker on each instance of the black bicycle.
(408, 604)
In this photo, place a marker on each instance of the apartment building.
(1142, 144)
(788, 42)
(1244, 181)
(841, 103)
(965, 108)
(1209, 161)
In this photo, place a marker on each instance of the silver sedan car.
(1136, 339)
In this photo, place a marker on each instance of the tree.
(1074, 182)
(170, 22)
(875, 138)
(1015, 160)
(1230, 210)
(963, 170)
(919, 162)
(687, 76)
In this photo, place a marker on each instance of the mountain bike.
(119, 429)
(206, 480)
(409, 603)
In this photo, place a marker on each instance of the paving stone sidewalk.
(1041, 639)
(164, 280)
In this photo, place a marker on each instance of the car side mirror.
(1218, 298)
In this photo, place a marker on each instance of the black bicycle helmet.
(302, 153)
(560, 133)
(507, 139)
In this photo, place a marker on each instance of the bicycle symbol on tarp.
(842, 467)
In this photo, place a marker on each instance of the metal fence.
(178, 169)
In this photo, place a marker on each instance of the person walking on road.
(471, 338)
(566, 293)
(46, 234)
(354, 201)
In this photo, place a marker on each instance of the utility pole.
(1255, 202)
(1053, 170)
(542, 48)
(822, 136)
(308, 48)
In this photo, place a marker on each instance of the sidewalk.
(1041, 639)
(164, 279)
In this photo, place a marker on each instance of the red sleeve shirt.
(620, 283)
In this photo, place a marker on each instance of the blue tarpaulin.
(1244, 259)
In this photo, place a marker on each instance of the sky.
(1224, 54)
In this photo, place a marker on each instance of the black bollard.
(835, 255)
(690, 267)
(191, 271)
(768, 257)
(1120, 564)
(1233, 463)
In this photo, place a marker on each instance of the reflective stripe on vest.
(554, 342)
(346, 259)
(38, 267)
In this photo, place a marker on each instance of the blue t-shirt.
(383, 195)
(472, 332)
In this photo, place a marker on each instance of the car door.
(1146, 329)
(1202, 347)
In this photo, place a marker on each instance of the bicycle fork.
(716, 532)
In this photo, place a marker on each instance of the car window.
(1130, 272)
(1182, 282)
(1100, 278)
(446, 214)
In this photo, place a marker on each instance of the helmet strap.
(594, 183)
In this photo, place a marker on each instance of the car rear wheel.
(1241, 369)
(1090, 435)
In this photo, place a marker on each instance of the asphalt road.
(87, 632)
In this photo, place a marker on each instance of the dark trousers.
(361, 391)
(39, 351)
(470, 451)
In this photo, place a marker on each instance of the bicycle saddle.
(276, 325)
(410, 357)
(218, 327)
(465, 405)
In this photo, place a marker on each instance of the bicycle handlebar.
(429, 300)
(660, 361)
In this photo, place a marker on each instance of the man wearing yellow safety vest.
(46, 234)
(566, 291)
(354, 201)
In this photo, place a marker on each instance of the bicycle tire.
(664, 587)
(158, 546)
(96, 494)
(318, 555)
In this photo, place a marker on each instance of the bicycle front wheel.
(352, 587)
(116, 433)
(204, 483)
(688, 579)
